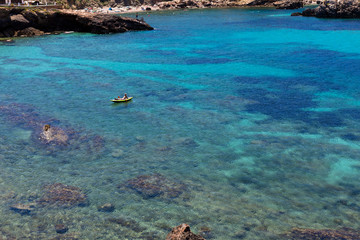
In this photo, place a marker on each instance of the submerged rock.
(61, 228)
(328, 234)
(187, 142)
(68, 236)
(183, 232)
(107, 207)
(62, 195)
(117, 153)
(156, 185)
(23, 209)
(54, 135)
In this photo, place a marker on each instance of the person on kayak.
(124, 97)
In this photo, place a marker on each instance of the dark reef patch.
(48, 132)
(286, 100)
(61, 195)
(286, 103)
(156, 185)
(351, 113)
(327, 119)
(325, 234)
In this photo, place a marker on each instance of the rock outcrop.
(30, 22)
(342, 9)
(289, 4)
(107, 207)
(282, 4)
(54, 135)
(264, 3)
(312, 234)
(183, 232)
(29, 32)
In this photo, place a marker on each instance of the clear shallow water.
(271, 102)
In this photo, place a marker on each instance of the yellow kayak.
(117, 100)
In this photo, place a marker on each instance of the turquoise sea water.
(254, 111)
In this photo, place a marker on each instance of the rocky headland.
(17, 22)
(333, 9)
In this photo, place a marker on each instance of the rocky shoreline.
(21, 22)
(343, 9)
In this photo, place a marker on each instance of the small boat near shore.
(118, 100)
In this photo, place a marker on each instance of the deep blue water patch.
(280, 103)
(350, 113)
(327, 119)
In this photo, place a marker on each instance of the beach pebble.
(107, 207)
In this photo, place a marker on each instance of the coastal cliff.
(28, 22)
